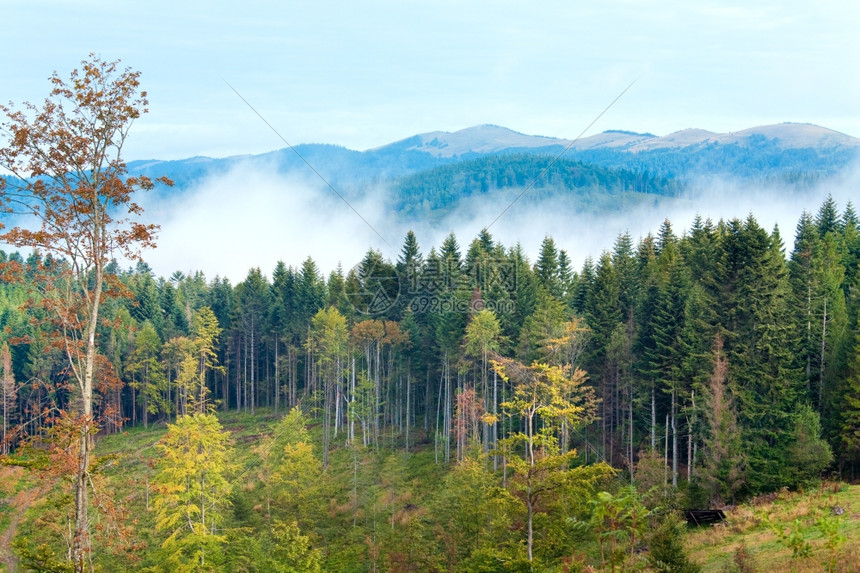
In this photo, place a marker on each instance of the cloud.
(254, 216)
(584, 235)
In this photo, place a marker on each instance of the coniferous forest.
(458, 408)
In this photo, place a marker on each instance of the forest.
(711, 354)
(461, 408)
(568, 184)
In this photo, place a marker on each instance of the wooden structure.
(704, 516)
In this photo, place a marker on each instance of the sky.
(364, 74)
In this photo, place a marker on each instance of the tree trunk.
(823, 349)
(666, 453)
(277, 376)
(630, 424)
(674, 445)
(3, 446)
(81, 542)
(530, 505)
(408, 397)
(495, 415)
(653, 420)
(253, 349)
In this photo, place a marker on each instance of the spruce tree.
(827, 218)
(849, 443)
(755, 316)
(546, 268)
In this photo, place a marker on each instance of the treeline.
(758, 159)
(712, 349)
(582, 185)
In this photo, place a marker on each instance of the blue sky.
(362, 74)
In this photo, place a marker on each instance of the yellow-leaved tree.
(543, 397)
(290, 474)
(192, 491)
(197, 358)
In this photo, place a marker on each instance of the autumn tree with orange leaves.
(73, 199)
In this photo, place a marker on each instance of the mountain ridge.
(795, 152)
(798, 135)
(490, 138)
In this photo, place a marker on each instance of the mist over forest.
(277, 204)
(468, 351)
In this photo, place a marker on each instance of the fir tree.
(546, 268)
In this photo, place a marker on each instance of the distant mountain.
(783, 135)
(492, 139)
(340, 166)
(474, 141)
(437, 169)
(569, 185)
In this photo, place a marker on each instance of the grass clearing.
(803, 517)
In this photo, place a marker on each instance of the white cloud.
(253, 217)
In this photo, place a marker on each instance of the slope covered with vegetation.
(813, 530)
(453, 410)
(571, 185)
(711, 360)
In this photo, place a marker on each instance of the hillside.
(427, 177)
(758, 153)
(572, 186)
(396, 491)
(820, 527)
(490, 139)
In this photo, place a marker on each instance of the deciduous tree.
(192, 490)
(70, 184)
(543, 397)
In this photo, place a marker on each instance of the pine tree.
(409, 266)
(624, 262)
(581, 287)
(699, 249)
(310, 294)
(850, 246)
(175, 319)
(449, 252)
(666, 357)
(850, 427)
(565, 276)
(523, 285)
(251, 313)
(804, 289)
(723, 471)
(827, 218)
(144, 304)
(219, 298)
(546, 323)
(831, 317)
(602, 310)
(373, 287)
